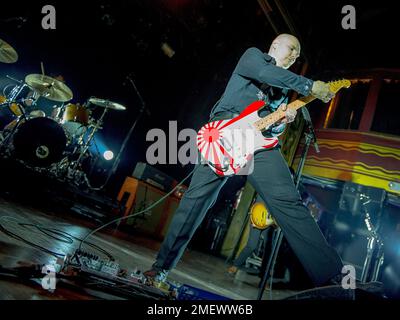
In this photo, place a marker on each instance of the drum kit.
(55, 142)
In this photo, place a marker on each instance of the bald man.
(258, 76)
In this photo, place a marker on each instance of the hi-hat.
(49, 88)
(107, 104)
(7, 53)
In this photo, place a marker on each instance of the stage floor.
(196, 269)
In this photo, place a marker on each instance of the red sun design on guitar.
(228, 146)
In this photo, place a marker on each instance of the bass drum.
(39, 142)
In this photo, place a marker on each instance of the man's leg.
(272, 180)
(200, 196)
(251, 246)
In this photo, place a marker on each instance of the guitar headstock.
(335, 86)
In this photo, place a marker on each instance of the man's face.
(286, 52)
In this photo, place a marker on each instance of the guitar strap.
(266, 93)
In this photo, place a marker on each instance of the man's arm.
(254, 66)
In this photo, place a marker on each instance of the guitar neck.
(274, 117)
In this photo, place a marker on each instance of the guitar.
(260, 216)
(228, 146)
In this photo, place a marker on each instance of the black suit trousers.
(272, 180)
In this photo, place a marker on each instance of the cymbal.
(7, 53)
(107, 104)
(49, 88)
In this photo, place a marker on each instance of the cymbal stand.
(143, 109)
(86, 146)
(11, 98)
(17, 89)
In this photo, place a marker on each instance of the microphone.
(143, 107)
(15, 19)
(127, 79)
(19, 21)
(11, 78)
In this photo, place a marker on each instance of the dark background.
(97, 44)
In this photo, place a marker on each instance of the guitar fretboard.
(274, 117)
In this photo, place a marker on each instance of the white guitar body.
(228, 146)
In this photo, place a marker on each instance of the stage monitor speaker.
(136, 196)
(351, 245)
(153, 176)
(348, 233)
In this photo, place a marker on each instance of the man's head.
(285, 49)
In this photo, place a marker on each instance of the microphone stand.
(127, 137)
(278, 235)
(307, 118)
(310, 137)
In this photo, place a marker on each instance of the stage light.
(168, 51)
(108, 155)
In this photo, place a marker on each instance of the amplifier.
(153, 176)
(135, 196)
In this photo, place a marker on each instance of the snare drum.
(8, 112)
(36, 114)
